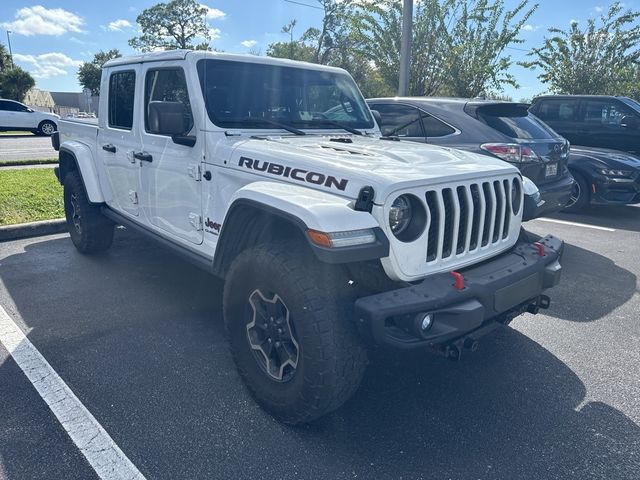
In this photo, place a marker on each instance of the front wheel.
(46, 128)
(290, 331)
(90, 231)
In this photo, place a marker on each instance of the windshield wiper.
(274, 123)
(349, 129)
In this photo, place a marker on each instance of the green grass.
(28, 195)
(30, 161)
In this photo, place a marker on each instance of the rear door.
(119, 137)
(171, 181)
(563, 116)
(603, 121)
(4, 113)
(514, 121)
(399, 120)
(14, 115)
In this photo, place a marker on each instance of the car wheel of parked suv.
(580, 194)
(46, 128)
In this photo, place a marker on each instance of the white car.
(17, 116)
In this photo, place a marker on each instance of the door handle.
(109, 148)
(143, 156)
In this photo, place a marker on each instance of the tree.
(15, 83)
(172, 25)
(5, 58)
(601, 59)
(89, 73)
(482, 30)
(457, 45)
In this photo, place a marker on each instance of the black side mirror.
(377, 117)
(168, 118)
(630, 121)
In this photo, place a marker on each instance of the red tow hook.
(458, 283)
(539, 248)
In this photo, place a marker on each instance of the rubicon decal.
(298, 174)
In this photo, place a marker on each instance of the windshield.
(632, 103)
(515, 121)
(247, 95)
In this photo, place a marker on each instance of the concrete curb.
(32, 229)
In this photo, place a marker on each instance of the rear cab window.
(515, 121)
(121, 99)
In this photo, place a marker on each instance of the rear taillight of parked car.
(510, 152)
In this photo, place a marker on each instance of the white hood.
(344, 164)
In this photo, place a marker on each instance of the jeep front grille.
(467, 217)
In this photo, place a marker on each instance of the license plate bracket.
(551, 170)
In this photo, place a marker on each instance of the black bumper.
(615, 191)
(494, 292)
(554, 196)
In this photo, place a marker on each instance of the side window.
(121, 99)
(557, 110)
(399, 120)
(605, 112)
(168, 85)
(11, 107)
(4, 106)
(434, 127)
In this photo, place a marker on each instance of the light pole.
(10, 52)
(405, 48)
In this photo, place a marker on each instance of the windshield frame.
(365, 122)
(631, 103)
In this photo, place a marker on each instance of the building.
(62, 103)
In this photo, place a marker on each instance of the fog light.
(426, 322)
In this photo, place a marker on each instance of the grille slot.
(467, 218)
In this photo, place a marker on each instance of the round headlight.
(400, 215)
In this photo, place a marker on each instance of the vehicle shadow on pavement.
(619, 217)
(592, 286)
(513, 410)
(138, 336)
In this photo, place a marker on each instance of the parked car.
(17, 116)
(328, 237)
(504, 130)
(603, 176)
(592, 120)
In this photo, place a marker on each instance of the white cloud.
(530, 28)
(38, 20)
(214, 33)
(249, 43)
(48, 64)
(118, 25)
(599, 9)
(213, 13)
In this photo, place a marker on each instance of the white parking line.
(576, 224)
(104, 456)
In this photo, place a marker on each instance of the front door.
(171, 181)
(119, 139)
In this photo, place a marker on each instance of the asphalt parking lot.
(25, 147)
(137, 335)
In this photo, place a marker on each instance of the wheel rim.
(75, 213)
(47, 128)
(271, 337)
(575, 194)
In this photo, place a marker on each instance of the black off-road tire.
(581, 195)
(90, 231)
(331, 357)
(46, 128)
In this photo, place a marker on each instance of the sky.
(51, 38)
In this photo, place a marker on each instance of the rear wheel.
(291, 334)
(46, 128)
(579, 196)
(90, 231)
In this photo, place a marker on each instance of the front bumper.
(554, 197)
(494, 292)
(618, 191)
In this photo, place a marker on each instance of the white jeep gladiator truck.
(272, 174)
